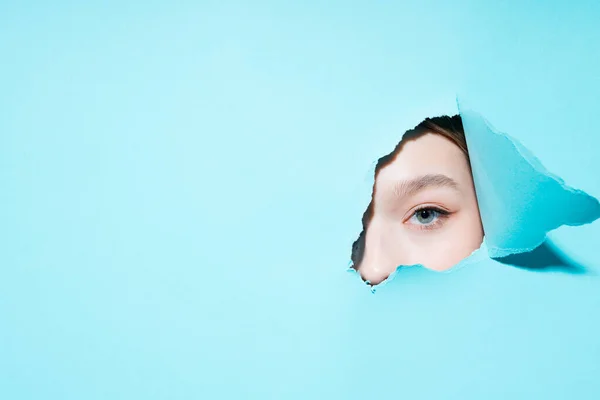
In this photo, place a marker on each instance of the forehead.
(430, 153)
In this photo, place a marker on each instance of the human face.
(424, 210)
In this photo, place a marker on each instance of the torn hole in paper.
(449, 180)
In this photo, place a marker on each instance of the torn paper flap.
(519, 200)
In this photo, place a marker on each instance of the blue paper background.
(181, 185)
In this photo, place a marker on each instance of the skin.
(425, 210)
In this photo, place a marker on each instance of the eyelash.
(442, 216)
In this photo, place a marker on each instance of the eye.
(428, 217)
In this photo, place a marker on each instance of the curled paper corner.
(520, 201)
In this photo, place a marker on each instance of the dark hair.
(449, 127)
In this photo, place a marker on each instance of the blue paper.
(519, 200)
(177, 203)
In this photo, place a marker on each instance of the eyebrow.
(413, 186)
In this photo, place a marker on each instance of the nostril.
(373, 275)
(374, 281)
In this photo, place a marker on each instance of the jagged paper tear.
(519, 200)
(475, 257)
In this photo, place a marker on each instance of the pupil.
(425, 214)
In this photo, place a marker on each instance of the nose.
(377, 264)
(374, 274)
